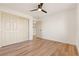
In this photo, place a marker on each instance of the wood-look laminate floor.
(39, 47)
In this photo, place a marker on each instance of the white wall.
(0, 30)
(13, 29)
(60, 26)
(30, 29)
(77, 40)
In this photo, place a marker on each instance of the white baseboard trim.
(54, 39)
(0, 46)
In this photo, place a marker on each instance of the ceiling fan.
(40, 8)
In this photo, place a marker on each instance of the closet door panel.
(14, 29)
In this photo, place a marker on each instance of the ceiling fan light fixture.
(39, 9)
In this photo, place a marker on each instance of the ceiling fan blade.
(34, 10)
(44, 11)
(41, 4)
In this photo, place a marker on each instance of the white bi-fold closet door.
(13, 29)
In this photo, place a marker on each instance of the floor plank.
(39, 47)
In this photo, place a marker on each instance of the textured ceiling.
(49, 7)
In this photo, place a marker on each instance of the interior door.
(14, 29)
